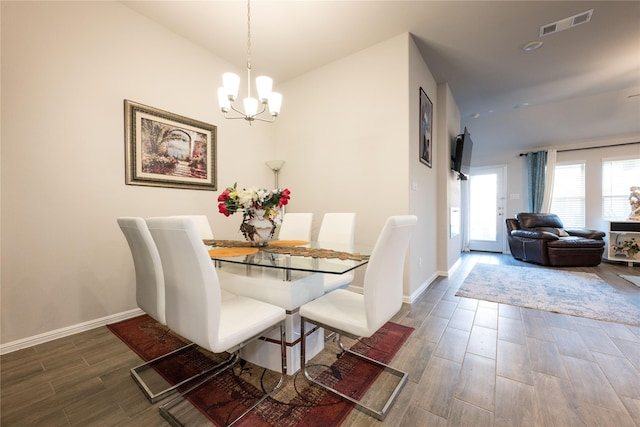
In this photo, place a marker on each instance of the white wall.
(344, 137)
(452, 197)
(350, 145)
(424, 182)
(66, 69)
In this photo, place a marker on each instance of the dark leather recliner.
(542, 239)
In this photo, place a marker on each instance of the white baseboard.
(65, 332)
(425, 285)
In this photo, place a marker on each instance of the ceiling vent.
(563, 24)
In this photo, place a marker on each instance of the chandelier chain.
(248, 33)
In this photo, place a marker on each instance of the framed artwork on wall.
(163, 149)
(426, 118)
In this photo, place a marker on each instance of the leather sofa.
(542, 239)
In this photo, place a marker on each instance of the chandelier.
(253, 107)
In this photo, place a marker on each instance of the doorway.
(486, 209)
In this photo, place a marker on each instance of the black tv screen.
(462, 154)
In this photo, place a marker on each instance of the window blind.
(618, 176)
(568, 200)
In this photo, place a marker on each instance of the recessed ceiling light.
(523, 105)
(475, 116)
(531, 46)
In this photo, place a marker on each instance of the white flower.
(246, 197)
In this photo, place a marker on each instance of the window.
(568, 201)
(617, 178)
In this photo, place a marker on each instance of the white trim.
(425, 285)
(456, 265)
(65, 332)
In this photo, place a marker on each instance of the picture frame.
(164, 149)
(426, 124)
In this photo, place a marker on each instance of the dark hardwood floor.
(471, 363)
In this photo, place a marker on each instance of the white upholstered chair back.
(193, 296)
(384, 276)
(150, 292)
(202, 225)
(296, 226)
(338, 228)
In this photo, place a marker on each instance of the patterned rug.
(296, 404)
(558, 291)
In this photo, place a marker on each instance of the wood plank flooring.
(470, 363)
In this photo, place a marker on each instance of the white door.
(486, 209)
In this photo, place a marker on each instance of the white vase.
(258, 230)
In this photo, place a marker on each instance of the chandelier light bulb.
(250, 107)
(264, 86)
(223, 100)
(275, 102)
(231, 83)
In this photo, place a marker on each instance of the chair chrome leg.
(165, 409)
(332, 335)
(378, 414)
(154, 397)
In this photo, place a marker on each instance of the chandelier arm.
(233, 118)
(242, 113)
(264, 108)
(260, 119)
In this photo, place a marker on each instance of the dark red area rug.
(297, 403)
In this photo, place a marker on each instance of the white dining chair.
(340, 229)
(296, 226)
(199, 310)
(150, 294)
(202, 225)
(360, 315)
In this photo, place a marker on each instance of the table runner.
(290, 250)
(224, 252)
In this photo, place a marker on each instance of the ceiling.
(582, 84)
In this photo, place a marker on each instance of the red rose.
(284, 199)
(223, 196)
(222, 208)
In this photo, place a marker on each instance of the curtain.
(536, 165)
(552, 154)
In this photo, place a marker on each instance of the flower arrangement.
(260, 210)
(252, 200)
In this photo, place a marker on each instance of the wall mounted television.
(462, 155)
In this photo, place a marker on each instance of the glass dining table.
(287, 274)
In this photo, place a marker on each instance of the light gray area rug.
(558, 291)
(633, 279)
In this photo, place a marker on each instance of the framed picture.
(163, 149)
(426, 119)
